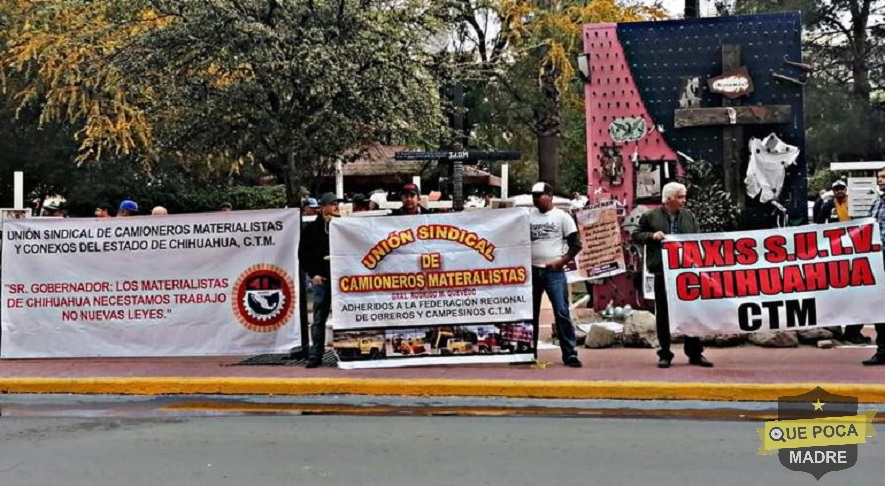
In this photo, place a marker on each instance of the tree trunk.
(292, 180)
(548, 123)
(860, 69)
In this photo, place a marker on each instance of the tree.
(844, 41)
(290, 85)
(528, 59)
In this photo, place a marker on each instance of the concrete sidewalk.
(745, 373)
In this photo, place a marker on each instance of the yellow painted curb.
(625, 390)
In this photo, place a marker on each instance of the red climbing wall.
(611, 95)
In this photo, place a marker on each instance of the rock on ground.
(774, 339)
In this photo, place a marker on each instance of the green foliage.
(843, 40)
(707, 198)
(224, 83)
(822, 180)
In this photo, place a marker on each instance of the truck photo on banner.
(432, 289)
(784, 279)
(182, 285)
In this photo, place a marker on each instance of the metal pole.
(505, 181)
(458, 183)
(18, 181)
(339, 180)
(692, 9)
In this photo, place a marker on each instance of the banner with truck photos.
(432, 289)
(783, 279)
(151, 286)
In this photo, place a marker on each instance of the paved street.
(332, 450)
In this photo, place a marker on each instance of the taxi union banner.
(817, 432)
(432, 289)
(181, 285)
(784, 279)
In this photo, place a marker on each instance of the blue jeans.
(554, 283)
(322, 304)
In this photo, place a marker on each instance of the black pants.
(880, 333)
(692, 347)
(853, 331)
(880, 339)
(322, 304)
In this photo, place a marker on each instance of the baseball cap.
(130, 206)
(839, 184)
(328, 198)
(312, 202)
(542, 188)
(359, 198)
(410, 189)
(226, 205)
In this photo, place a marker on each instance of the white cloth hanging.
(769, 159)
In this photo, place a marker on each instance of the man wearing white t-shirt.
(555, 243)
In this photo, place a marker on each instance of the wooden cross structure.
(458, 158)
(732, 116)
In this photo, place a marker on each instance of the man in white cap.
(836, 209)
(159, 211)
(832, 211)
(555, 243)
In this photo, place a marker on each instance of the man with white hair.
(670, 219)
(159, 211)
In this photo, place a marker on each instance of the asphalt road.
(350, 450)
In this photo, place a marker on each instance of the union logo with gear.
(264, 298)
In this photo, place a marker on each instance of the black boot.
(701, 361)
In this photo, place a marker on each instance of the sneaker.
(573, 362)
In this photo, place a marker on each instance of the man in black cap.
(313, 254)
(360, 203)
(410, 194)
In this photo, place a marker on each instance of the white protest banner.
(428, 289)
(181, 285)
(601, 254)
(775, 280)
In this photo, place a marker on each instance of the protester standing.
(127, 208)
(555, 243)
(835, 210)
(313, 255)
(878, 213)
(671, 218)
(410, 194)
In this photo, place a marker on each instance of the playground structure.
(658, 93)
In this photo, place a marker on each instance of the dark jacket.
(314, 248)
(399, 211)
(657, 220)
(827, 213)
